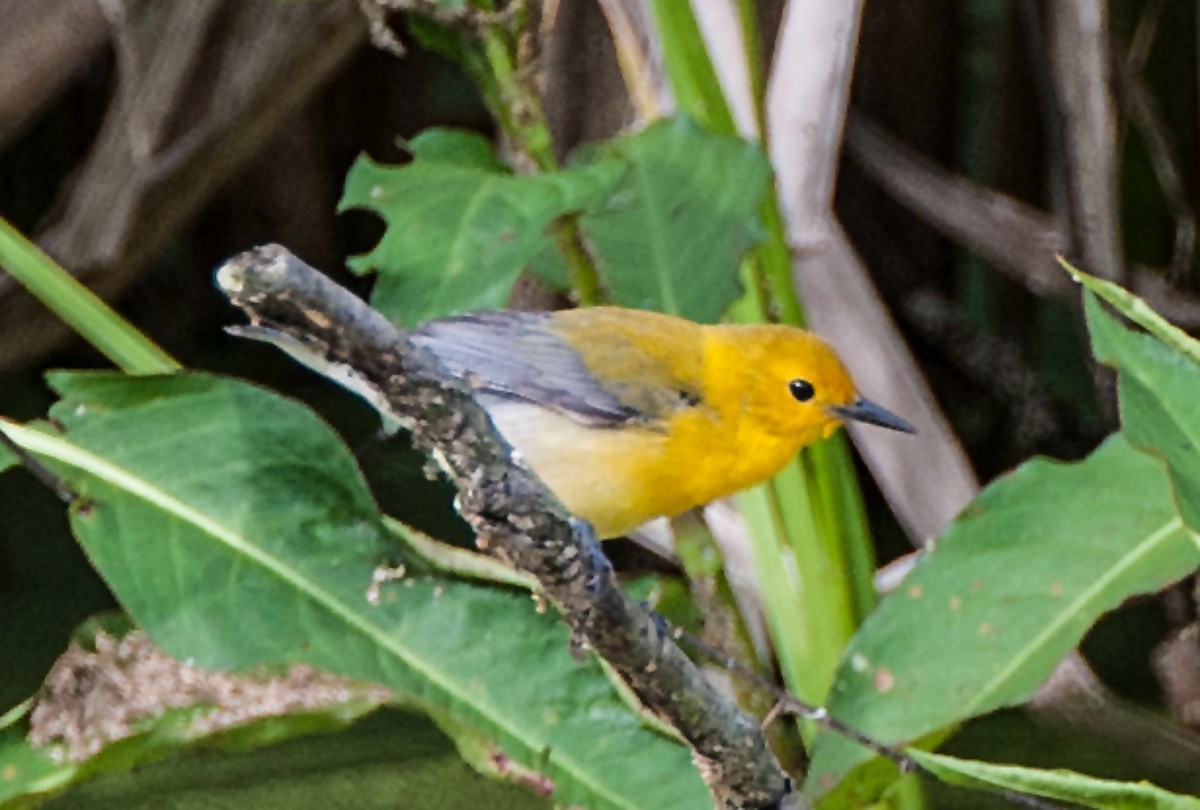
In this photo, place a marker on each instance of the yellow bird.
(629, 415)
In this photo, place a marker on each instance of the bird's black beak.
(866, 411)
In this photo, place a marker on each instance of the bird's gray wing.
(515, 356)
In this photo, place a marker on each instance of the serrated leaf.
(459, 231)
(234, 526)
(1158, 388)
(1080, 789)
(672, 234)
(1011, 587)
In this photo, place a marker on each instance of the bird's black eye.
(802, 390)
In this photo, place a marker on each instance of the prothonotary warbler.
(629, 415)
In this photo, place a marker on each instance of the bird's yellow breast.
(617, 479)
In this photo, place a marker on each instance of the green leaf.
(456, 147)
(550, 266)
(1138, 311)
(459, 228)
(367, 765)
(671, 236)
(1158, 387)
(79, 307)
(234, 526)
(1102, 794)
(448, 41)
(29, 773)
(1010, 587)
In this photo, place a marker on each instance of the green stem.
(779, 585)
(815, 542)
(776, 260)
(520, 114)
(685, 56)
(725, 629)
(753, 47)
(519, 111)
(584, 279)
(753, 302)
(79, 307)
(858, 544)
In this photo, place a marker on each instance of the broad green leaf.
(671, 236)
(388, 759)
(1138, 311)
(235, 528)
(1080, 789)
(460, 229)
(1158, 388)
(1006, 592)
(29, 774)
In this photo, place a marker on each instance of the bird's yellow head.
(789, 383)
